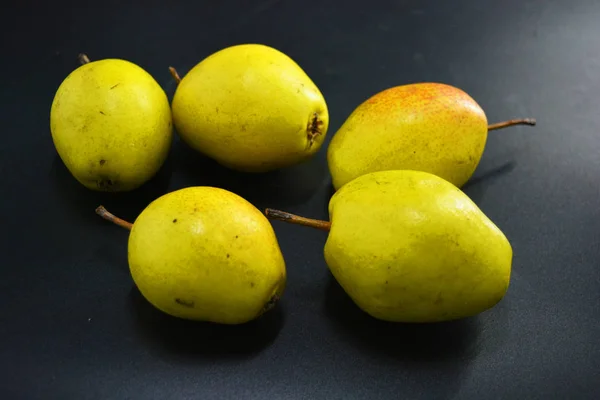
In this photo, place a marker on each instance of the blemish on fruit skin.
(251, 284)
(106, 184)
(175, 220)
(185, 303)
(314, 128)
(114, 86)
(236, 236)
(102, 162)
(102, 112)
(227, 255)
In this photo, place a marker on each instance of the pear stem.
(296, 219)
(174, 74)
(512, 122)
(103, 212)
(83, 58)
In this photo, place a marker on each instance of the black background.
(72, 326)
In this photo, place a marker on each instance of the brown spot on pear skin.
(314, 128)
(106, 184)
(175, 220)
(227, 255)
(102, 162)
(185, 303)
(114, 86)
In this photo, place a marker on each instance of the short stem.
(103, 212)
(83, 59)
(512, 122)
(174, 74)
(295, 219)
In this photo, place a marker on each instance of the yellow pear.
(430, 127)
(206, 254)
(251, 108)
(111, 125)
(408, 246)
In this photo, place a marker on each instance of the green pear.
(409, 246)
(430, 127)
(205, 254)
(251, 108)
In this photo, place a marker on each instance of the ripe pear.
(111, 125)
(408, 246)
(251, 108)
(430, 127)
(206, 254)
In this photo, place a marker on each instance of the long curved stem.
(512, 122)
(103, 212)
(298, 220)
(174, 74)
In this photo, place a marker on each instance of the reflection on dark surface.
(475, 187)
(413, 343)
(191, 338)
(126, 205)
(278, 189)
(330, 192)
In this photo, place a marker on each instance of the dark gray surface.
(73, 327)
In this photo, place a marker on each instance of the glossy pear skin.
(430, 127)
(408, 246)
(205, 253)
(251, 108)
